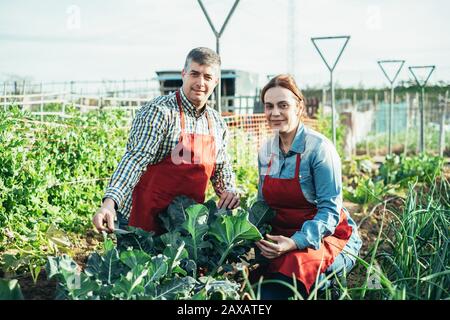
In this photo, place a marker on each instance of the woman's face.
(282, 109)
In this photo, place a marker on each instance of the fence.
(364, 121)
(45, 104)
(106, 88)
(406, 126)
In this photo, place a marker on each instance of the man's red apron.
(186, 171)
(286, 197)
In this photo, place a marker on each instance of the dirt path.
(45, 289)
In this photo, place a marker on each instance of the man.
(176, 144)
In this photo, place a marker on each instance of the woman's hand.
(280, 246)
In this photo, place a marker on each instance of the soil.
(369, 224)
(44, 289)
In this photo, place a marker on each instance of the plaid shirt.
(154, 134)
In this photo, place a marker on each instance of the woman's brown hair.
(286, 81)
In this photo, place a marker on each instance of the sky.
(59, 40)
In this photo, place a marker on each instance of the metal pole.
(391, 80)
(408, 114)
(218, 35)
(422, 83)
(391, 119)
(219, 83)
(422, 120)
(333, 108)
(331, 68)
(443, 108)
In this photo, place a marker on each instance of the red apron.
(286, 197)
(186, 171)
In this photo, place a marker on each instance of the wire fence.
(366, 126)
(364, 117)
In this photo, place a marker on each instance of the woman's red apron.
(286, 197)
(186, 171)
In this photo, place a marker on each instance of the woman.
(300, 178)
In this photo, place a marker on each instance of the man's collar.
(188, 106)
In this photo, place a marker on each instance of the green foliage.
(411, 257)
(324, 127)
(52, 178)
(10, 290)
(403, 170)
(170, 263)
(367, 191)
(364, 185)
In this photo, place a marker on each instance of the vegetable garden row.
(53, 176)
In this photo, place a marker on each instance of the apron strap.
(181, 112)
(183, 126)
(270, 165)
(210, 124)
(297, 165)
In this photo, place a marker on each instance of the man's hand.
(228, 200)
(280, 246)
(105, 215)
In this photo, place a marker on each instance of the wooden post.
(99, 105)
(63, 105)
(4, 96)
(131, 109)
(42, 103)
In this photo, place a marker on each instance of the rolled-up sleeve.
(223, 178)
(148, 129)
(326, 167)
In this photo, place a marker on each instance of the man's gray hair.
(203, 56)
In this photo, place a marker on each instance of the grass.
(409, 259)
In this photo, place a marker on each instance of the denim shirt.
(321, 183)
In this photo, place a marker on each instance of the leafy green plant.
(367, 192)
(10, 290)
(52, 178)
(403, 170)
(187, 262)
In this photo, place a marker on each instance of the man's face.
(199, 82)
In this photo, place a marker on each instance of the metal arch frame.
(331, 69)
(422, 100)
(218, 35)
(391, 106)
